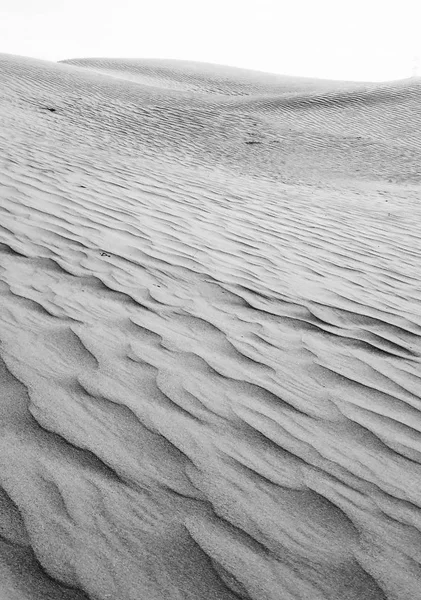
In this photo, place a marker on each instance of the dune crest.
(209, 334)
(204, 78)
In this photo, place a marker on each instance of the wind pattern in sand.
(210, 320)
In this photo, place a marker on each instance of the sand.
(210, 319)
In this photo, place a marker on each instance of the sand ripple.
(209, 335)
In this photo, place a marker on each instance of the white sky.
(339, 39)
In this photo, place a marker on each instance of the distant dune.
(204, 78)
(210, 320)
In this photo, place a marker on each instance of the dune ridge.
(203, 78)
(209, 335)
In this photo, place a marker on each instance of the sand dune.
(204, 78)
(209, 334)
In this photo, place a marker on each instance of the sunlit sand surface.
(210, 319)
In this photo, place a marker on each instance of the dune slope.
(209, 335)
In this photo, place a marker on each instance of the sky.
(356, 40)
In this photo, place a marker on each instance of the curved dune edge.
(204, 78)
(210, 348)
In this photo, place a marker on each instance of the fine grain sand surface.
(210, 320)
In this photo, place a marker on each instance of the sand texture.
(210, 320)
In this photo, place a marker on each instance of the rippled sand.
(210, 319)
